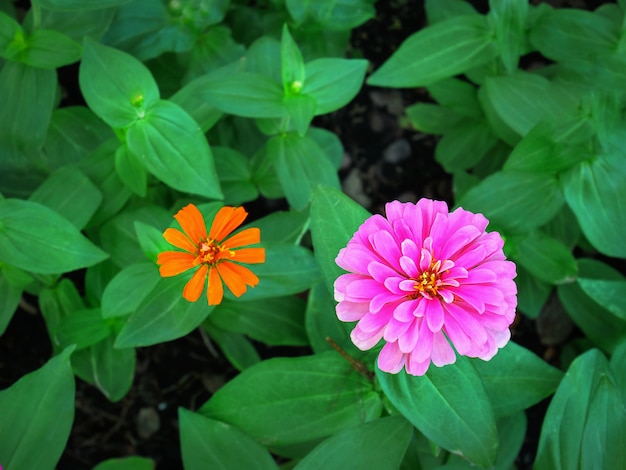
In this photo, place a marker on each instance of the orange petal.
(215, 292)
(249, 236)
(179, 240)
(192, 223)
(236, 277)
(174, 262)
(250, 255)
(226, 220)
(193, 289)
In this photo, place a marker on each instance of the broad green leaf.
(599, 325)
(10, 296)
(126, 463)
(113, 370)
(290, 400)
(131, 170)
(586, 419)
(378, 444)
(10, 30)
(609, 294)
(454, 395)
(235, 176)
(116, 86)
(206, 443)
(333, 82)
(458, 96)
(452, 150)
(71, 194)
(277, 321)
(334, 219)
(128, 289)
(509, 18)
(322, 322)
(173, 148)
(441, 10)
(235, 347)
(213, 49)
(244, 94)
(292, 65)
(288, 269)
(618, 365)
(283, 227)
(594, 190)
(55, 247)
(432, 118)
(567, 33)
(79, 23)
(151, 240)
(438, 51)
(72, 5)
(300, 165)
(516, 379)
(532, 293)
(300, 109)
(524, 99)
(545, 257)
(331, 14)
(511, 437)
(97, 278)
(83, 328)
(48, 49)
(205, 114)
(37, 414)
(57, 303)
(74, 133)
(163, 315)
(330, 144)
(515, 201)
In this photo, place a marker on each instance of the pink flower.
(424, 280)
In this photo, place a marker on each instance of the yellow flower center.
(210, 252)
(428, 282)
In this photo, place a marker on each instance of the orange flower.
(217, 256)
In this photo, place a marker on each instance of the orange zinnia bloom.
(217, 256)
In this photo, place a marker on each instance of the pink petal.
(404, 312)
(408, 341)
(434, 315)
(365, 341)
(416, 368)
(391, 359)
(387, 248)
(380, 271)
(409, 267)
(395, 329)
(351, 311)
(442, 354)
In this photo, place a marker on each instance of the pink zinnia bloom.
(424, 280)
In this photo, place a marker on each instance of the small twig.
(357, 365)
(207, 342)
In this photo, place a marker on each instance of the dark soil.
(384, 161)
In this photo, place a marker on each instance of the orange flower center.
(428, 283)
(210, 252)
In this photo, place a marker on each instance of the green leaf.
(458, 96)
(288, 269)
(206, 443)
(82, 328)
(79, 23)
(301, 109)
(333, 82)
(609, 294)
(594, 191)
(57, 303)
(128, 289)
(235, 347)
(289, 400)
(113, 370)
(599, 325)
(509, 18)
(567, 34)
(515, 201)
(10, 296)
(213, 49)
(131, 171)
(37, 414)
(205, 114)
(454, 395)
(329, 143)
(589, 402)
(300, 165)
(116, 86)
(511, 437)
(524, 99)
(126, 463)
(432, 118)
(334, 219)
(331, 14)
(277, 321)
(532, 293)
(322, 322)
(235, 176)
(244, 94)
(163, 315)
(618, 365)
(438, 51)
(545, 257)
(441, 10)
(71, 194)
(378, 444)
(516, 379)
(48, 49)
(452, 149)
(9, 31)
(55, 247)
(72, 5)
(292, 65)
(151, 240)
(283, 227)
(173, 148)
